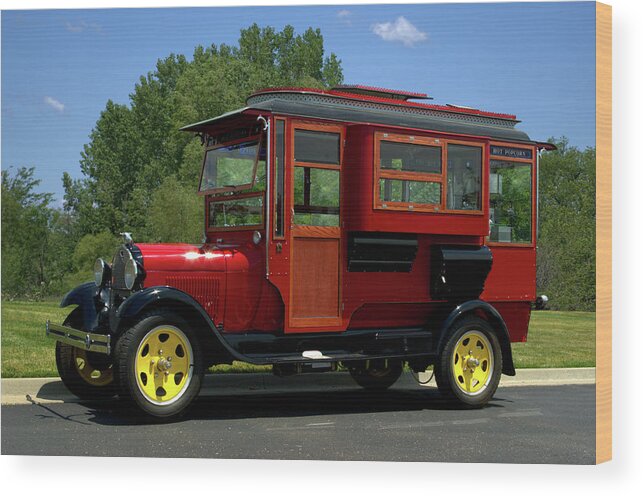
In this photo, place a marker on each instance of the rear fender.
(474, 307)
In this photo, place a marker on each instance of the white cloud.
(400, 30)
(344, 16)
(81, 26)
(55, 104)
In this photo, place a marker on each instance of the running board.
(260, 348)
(327, 357)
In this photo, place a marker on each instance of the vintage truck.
(357, 226)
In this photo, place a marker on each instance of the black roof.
(334, 109)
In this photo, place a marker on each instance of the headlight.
(131, 273)
(102, 272)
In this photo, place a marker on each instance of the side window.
(316, 147)
(409, 173)
(510, 201)
(427, 174)
(316, 178)
(464, 173)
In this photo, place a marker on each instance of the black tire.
(377, 375)
(85, 374)
(145, 383)
(474, 386)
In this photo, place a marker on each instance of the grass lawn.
(556, 339)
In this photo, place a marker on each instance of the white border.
(107, 476)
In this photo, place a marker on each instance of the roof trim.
(201, 124)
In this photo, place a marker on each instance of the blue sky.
(535, 60)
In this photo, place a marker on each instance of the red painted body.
(227, 275)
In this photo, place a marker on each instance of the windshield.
(234, 167)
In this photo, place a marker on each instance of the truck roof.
(360, 104)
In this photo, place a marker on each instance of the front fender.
(139, 301)
(85, 297)
(496, 320)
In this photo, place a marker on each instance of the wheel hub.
(164, 364)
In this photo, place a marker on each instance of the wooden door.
(315, 291)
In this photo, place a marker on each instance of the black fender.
(496, 320)
(85, 297)
(137, 303)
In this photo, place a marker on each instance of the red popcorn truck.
(357, 226)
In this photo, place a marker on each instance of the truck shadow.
(283, 405)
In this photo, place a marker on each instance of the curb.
(51, 389)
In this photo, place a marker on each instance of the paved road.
(553, 424)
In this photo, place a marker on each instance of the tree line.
(140, 174)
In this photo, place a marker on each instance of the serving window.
(427, 174)
(511, 198)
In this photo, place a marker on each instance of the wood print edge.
(603, 232)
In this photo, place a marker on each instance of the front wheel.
(469, 366)
(86, 374)
(159, 364)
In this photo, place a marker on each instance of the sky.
(534, 60)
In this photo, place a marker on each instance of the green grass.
(26, 351)
(556, 339)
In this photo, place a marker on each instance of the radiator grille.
(118, 268)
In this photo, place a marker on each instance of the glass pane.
(421, 192)
(229, 166)
(510, 202)
(316, 196)
(464, 170)
(279, 181)
(235, 213)
(410, 157)
(316, 147)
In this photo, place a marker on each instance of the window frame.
(240, 187)
(442, 143)
(319, 127)
(239, 196)
(534, 190)
(279, 229)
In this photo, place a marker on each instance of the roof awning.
(200, 126)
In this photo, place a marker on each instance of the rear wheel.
(377, 375)
(469, 367)
(160, 364)
(86, 374)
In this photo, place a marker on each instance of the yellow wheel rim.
(472, 362)
(164, 364)
(88, 372)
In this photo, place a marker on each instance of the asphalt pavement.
(317, 417)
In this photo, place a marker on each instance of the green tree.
(25, 219)
(175, 214)
(566, 246)
(134, 147)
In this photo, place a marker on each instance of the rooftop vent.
(358, 89)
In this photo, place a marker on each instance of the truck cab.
(356, 227)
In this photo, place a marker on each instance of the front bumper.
(89, 341)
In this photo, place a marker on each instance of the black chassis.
(105, 313)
